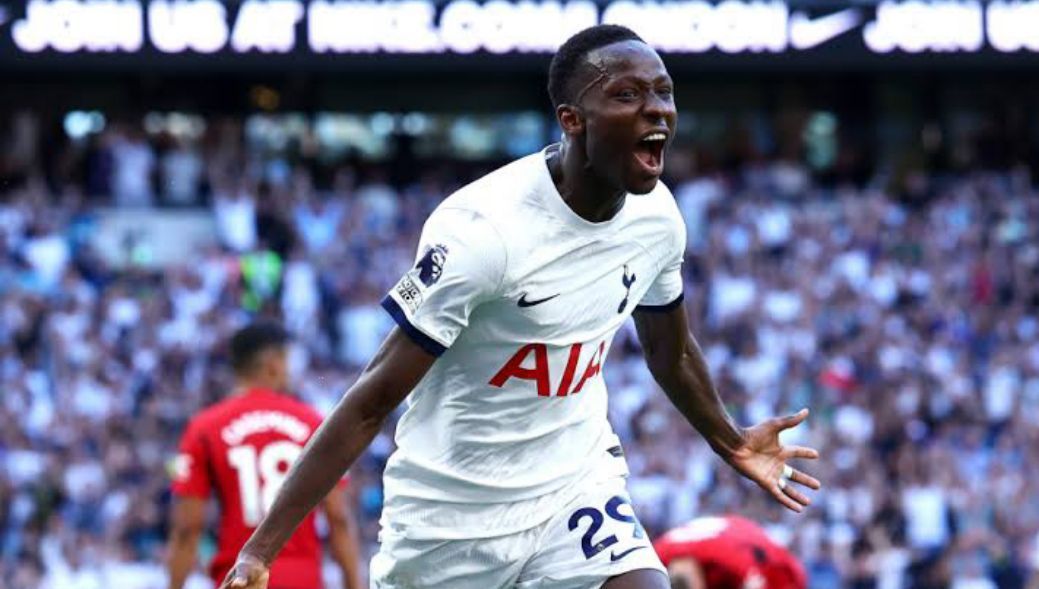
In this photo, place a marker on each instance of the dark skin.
(625, 93)
(622, 94)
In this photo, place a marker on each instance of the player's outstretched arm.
(394, 371)
(678, 365)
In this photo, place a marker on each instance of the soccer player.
(242, 447)
(727, 553)
(507, 472)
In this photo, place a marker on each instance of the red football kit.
(242, 448)
(733, 553)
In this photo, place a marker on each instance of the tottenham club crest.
(431, 266)
(627, 280)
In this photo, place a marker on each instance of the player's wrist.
(252, 557)
(729, 444)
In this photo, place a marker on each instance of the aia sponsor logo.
(531, 362)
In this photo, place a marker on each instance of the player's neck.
(245, 387)
(582, 190)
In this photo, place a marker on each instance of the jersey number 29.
(260, 475)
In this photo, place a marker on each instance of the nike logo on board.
(806, 33)
(523, 302)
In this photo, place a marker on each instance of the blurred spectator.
(362, 326)
(235, 210)
(181, 175)
(317, 222)
(133, 163)
(47, 253)
(379, 203)
(300, 297)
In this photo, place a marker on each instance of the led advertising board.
(347, 34)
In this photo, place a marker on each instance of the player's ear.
(571, 119)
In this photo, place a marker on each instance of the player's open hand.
(248, 573)
(763, 460)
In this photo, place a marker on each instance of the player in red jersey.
(242, 448)
(727, 553)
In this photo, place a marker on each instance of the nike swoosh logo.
(806, 33)
(523, 302)
(614, 557)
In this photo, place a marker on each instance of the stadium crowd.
(904, 311)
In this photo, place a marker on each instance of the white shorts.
(594, 537)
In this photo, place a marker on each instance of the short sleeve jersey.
(733, 553)
(241, 449)
(519, 297)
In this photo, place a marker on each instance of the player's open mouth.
(649, 152)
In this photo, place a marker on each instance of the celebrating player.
(507, 472)
(727, 553)
(242, 447)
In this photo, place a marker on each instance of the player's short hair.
(252, 340)
(571, 54)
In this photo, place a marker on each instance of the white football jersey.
(520, 298)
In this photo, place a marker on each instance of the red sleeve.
(665, 550)
(191, 465)
(793, 572)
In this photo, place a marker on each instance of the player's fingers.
(791, 420)
(804, 479)
(800, 452)
(796, 495)
(779, 495)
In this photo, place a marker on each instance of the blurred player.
(727, 553)
(507, 472)
(242, 448)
